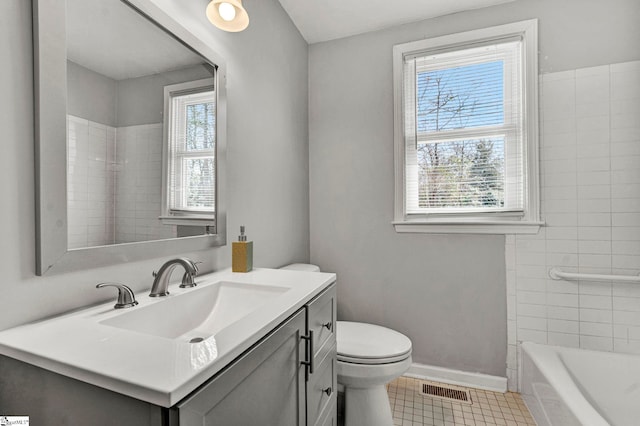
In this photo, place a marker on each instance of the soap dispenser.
(241, 253)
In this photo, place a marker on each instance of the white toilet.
(369, 357)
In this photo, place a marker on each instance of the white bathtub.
(567, 386)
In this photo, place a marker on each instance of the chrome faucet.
(126, 298)
(161, 280)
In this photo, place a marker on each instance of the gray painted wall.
(91, 95)
(128, 102)
(141, 100)
(267, 157)
(446, 292)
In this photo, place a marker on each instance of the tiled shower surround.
(139, 184)
(90, 183)
(114, 184)
(590, 191)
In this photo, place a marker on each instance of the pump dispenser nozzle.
(242, 237)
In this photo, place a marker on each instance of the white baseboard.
(456, 377)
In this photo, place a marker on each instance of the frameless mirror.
(130, 135)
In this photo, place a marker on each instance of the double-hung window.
(466, 132)
(190, 154)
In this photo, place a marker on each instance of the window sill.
(188, 220)
(467, 227)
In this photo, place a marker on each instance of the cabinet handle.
(328, 325)
(311, 362)
(328, 391)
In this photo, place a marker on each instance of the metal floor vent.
(445, 392)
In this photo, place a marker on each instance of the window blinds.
(463, 126)
(192, 142)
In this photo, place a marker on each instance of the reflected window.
(190, 153)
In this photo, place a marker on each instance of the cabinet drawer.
(329, 418)
(322, 320)
(322, 388)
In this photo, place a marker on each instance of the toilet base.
(367, 406)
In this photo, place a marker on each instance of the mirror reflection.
(141, 130)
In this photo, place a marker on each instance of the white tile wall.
(90, 199)
(139, 184)
(114, 184)
(590, 174)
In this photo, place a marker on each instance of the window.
(466, 132)
(190, 154)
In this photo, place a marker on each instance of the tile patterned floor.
(410, 408)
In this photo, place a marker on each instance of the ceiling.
(322, 20)
(110, 38)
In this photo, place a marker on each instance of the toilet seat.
(373, 361)
(361, 343)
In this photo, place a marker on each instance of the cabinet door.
(265, 386)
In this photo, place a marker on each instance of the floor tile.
(409, 407)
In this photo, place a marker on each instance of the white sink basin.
(145, 352)
(198, 314)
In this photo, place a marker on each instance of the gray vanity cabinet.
(287, 379)
(265, 386)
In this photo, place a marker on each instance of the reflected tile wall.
(114, 184)
(590, 175)
(90, 183)
(139, 184)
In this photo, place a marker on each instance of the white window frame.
(170, 215)
(527, 221)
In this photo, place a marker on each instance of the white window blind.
(466, 132)
(463, 127)
(191, 152)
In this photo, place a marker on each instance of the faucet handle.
(126, 298)
(188, 279)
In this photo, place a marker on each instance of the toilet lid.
(363, 343)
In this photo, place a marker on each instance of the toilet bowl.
(369, 357)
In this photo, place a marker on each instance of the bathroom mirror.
(130, 135)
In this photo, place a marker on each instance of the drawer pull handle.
(311, 362)
(328, 391)
(328, 325)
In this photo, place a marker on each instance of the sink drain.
(196, 340)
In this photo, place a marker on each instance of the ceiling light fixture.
(228, 15)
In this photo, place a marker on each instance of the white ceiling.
(110, 38)
(322, 20)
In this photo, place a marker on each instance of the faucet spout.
(161, 280)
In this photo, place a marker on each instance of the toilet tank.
(302, 267)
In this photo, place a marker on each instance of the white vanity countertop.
(155, 369)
